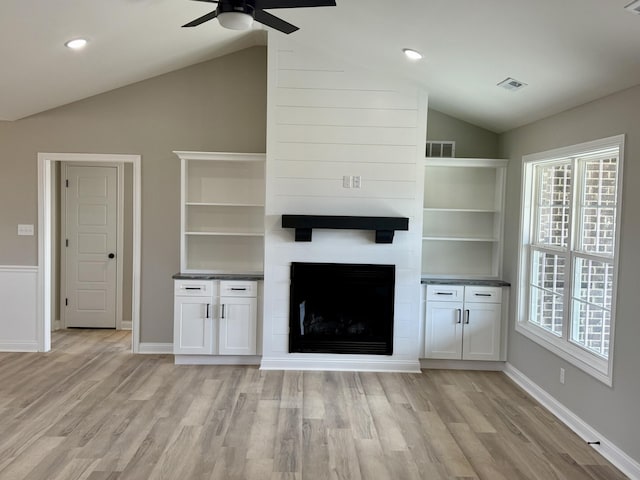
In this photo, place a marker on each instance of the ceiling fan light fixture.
(412, 54)
(235, 20)
(76, 44)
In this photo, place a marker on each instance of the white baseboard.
(606, 448)
(56, 325)
(8, 346)
(155, 348)
(436, 364)
(217, 360)
(126, 325)
(295, 362)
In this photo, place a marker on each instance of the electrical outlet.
(346, 181)
(562, 376)
(357, 181)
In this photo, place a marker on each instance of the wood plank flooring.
(91, 410)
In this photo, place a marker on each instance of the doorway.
(47, 163)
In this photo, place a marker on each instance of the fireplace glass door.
(341, 308)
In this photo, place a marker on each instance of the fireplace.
(341, 308)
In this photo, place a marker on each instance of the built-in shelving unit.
(222, 216)
(463, 209)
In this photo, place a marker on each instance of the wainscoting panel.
(18, 308)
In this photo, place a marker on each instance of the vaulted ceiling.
(568, 52)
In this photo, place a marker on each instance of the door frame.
(45, 257)
(119, 166)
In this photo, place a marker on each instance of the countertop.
(465, 281)
(218, 276)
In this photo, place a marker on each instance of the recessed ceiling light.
(76, 44)
(412, 54)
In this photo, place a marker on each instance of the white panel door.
(238, 321)
(91, 232)
(443, 330)
(481, 338)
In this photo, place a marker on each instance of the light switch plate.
(25, 229)
(346, 181)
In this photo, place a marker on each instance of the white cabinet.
(194, 307)
(213, 317)
(464, 322)
(238, 316)
(222, 212)
(463, 208)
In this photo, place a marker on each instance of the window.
(569, 252)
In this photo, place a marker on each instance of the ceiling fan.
(240, 14)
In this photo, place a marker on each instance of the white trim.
(155, 348)
(18, 346)
(44, 239)
(18, 269)
(126, 325)
(56, 325)
(119, 244)
(465, 162)
(222, 156)
(217, 360)
(437, 364)
(607, 449)
(304, 362)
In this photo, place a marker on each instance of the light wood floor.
(91, 410)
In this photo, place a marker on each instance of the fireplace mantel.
(384, 227)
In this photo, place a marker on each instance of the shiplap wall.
(18, 300)
(327, 119)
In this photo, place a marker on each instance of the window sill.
(597, 367)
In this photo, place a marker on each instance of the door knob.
(112, 255)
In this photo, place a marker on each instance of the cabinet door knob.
(222, 316)
(467, 315)
(459, 310)
(208, 311)
(112, 255)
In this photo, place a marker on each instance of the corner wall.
(327, 119)
(611, 411)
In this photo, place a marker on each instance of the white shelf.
(222, 220)
(220, 204)
(228, 234)
(461, 210)
(462, 217)
(460, 239)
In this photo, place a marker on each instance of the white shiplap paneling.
(328, 119)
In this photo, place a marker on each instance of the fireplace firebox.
(341, 308)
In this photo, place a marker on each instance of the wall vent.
(511, 84)
(441, 148)
(634, 7)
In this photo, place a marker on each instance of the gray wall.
(471, 141)
(612, 411)
(219, 105)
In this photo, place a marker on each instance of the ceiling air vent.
(634, 7)
(512, 84)
(441, 148)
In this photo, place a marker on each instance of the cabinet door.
(443, 330)
(193, 331)
(238, 319)
(481, 335)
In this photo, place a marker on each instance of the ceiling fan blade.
(274, 22)
(202, 19)
(260, 4)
